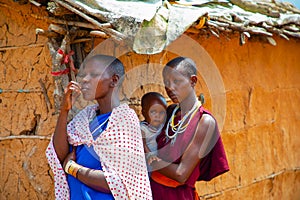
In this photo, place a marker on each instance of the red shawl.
(213, 163)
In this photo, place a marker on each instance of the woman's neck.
(187, 104)
(106, 106)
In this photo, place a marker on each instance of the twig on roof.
(214, 33)
(291, 28)
(254, 7)
(242, 27)
(115, 34)
(274, 30)
(80, 40)
(80, 24)
(49, 34)
(294, 19)
(94, 12)
(287, 6)
(293, 34)
(58, 29)
(218, 24)
(71, 23)
(57, 10)
(99, 34)
(35, 3)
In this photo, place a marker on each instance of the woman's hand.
(91, 177)
(72, 91)
(60, 137)
(70, 156)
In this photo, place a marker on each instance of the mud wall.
(25, 120)
(259, 117)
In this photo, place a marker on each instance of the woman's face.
(178, 86)
(96, 80)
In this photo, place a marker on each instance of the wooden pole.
(115, 34)
(23, 47)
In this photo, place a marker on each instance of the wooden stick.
(57, 29)
(78, 53)
(253, 7)
(117, 35)
(80, 24)
(57, 10)
(99, 34)
(287, 6)
(24, 47)
(99, 14)
(71, 36)
(49, 106)
(71, 23)
(241, 27)
(35, 3)
(275, 30)
(11, 137)
(48, 34)
(296, 35)
(81, 40)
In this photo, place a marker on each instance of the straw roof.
(163, 22)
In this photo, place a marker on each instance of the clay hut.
(248, 54)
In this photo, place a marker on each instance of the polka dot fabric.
(120, 149)
(60, 179)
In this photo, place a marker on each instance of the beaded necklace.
(179, 128)
(100, 126)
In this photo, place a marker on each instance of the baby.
(154, 107)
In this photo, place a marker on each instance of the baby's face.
(157, 115)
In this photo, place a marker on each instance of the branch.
(117, 35)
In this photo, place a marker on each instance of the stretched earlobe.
(193, 80)
(114, 80)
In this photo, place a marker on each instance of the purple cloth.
(211, 165)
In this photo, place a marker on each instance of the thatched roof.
(151, 25)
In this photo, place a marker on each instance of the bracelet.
(69, 163)
(76, 170)
(72, 168)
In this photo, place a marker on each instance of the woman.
(190, 147)
(99, 154)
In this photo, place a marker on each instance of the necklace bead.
(179, 128)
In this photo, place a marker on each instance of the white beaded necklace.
(100, 126)
(189, 115)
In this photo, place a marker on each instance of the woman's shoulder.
(207, 118)
(88, 112)
(124, 112)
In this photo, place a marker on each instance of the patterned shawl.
(119, 147)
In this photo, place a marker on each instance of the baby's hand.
(152, 158)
